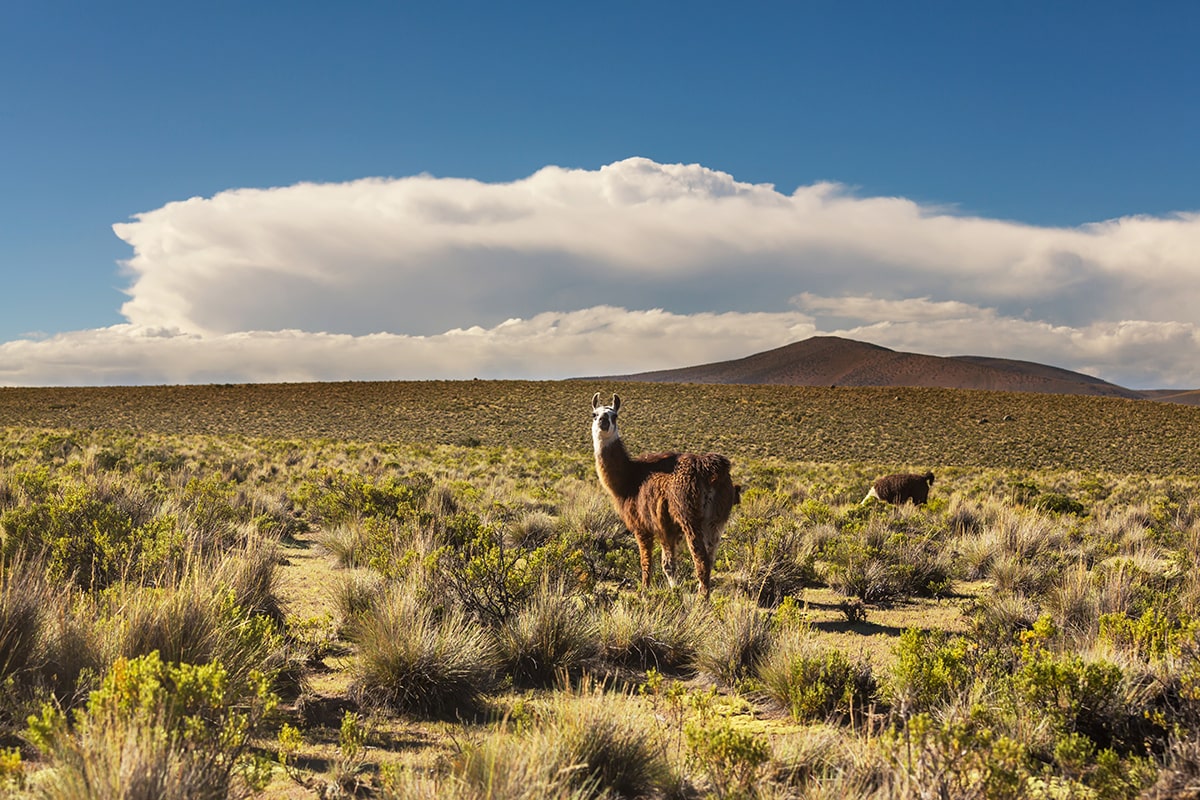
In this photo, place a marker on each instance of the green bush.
(732, 757)
(211, 511)
(1153, 636)
(1078, 696)
(491, 578)
(815, 683)
(948, 756)
(335, 496)
(931, 670)
(93, 533)
(152, 730)
(1055, 503)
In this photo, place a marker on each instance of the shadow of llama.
(665, 497)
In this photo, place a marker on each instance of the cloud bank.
(634, 266)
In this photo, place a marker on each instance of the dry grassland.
(872, 425)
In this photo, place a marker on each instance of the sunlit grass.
(383, 557)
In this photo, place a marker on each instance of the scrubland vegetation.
(441, 611)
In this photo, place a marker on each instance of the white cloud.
(913, 309)
(595, 341)
(424, 277)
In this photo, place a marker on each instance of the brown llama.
(901, 487)
(665, 497)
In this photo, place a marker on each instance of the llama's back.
(701, 484)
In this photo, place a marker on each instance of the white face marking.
(604, 424)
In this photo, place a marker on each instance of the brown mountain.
(834, 361)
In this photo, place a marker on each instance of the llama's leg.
(700, 558)
(703, 569)
(668, 539)
(645, 542)
(669, 549)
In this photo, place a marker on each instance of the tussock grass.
(738, 640)
(413, 659)
(591, 744)
(658, 629)
(551, 638)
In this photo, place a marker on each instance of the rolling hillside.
(834, 361)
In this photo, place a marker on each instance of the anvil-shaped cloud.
(634, 266)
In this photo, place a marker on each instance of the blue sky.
(1009, 179)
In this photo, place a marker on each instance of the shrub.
(949, 756)
(652, 629)
(152, 730)
(492, 578)
(1055, 503)
(813, 682)
(731, 756)
(930, 669)
(739, 640)
(336, 496)
(551, 636)
(93, 534)
(412, 659)
(1076, 696)
(210, 512)
(1151, 637)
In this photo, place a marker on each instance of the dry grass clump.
(551, 638)
(656, 629)
(414, 658)
(590, 745)
(739, 639)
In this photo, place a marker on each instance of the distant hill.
(1187, 397)
(834, 361)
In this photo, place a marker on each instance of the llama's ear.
(596, 400)
(616, 404)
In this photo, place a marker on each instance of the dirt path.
(308, 583)
(308, 578)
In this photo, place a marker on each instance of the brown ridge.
(835, 361)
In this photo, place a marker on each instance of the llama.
(665, 497)
(901, 487)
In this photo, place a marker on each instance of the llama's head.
(604, 420)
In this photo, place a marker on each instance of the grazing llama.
(901, 487)
(664, 497)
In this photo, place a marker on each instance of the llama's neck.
(615, 467)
